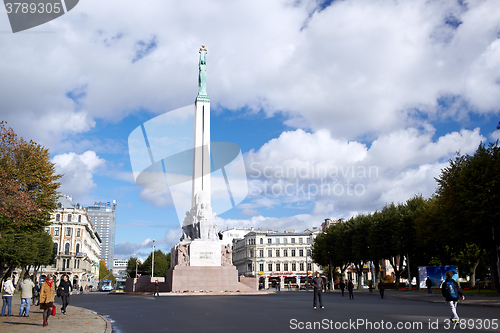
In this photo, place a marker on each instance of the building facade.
(102, 215)
(276, 258)
(76, 244)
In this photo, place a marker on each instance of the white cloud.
(355, 68)
(78, 172)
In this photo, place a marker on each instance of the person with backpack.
(7, 292)
(452, 292)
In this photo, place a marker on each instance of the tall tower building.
(102, 215)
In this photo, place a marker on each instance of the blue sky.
(338, 107)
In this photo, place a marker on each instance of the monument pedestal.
(206, 278)
(202, 265)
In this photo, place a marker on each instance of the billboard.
(436, 274)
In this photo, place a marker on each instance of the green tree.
(132, 264)
(469, 193)
(162, 264)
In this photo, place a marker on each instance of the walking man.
(27, 287)
(428, 283)
(381, 288)
(452, 291)
(317, 283)
(342, 287)
(65, 292)
(157, 288)
(350, 288)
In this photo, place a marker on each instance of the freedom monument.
(201, 261)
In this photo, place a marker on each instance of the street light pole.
(153, 263)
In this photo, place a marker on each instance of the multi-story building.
(76, 243)
(103, 216)
(275, 257)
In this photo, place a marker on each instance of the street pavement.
(279, 312)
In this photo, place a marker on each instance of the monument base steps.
(195, 278)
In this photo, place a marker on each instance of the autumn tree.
(28, 194)
(105, 273)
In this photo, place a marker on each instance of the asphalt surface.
(285, 312)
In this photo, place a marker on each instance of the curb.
(109, 327)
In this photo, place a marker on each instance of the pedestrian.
(81, 290)
(157, 288)
(64, 290)
(428, 283)
(381, 288)
(26, 294)
(47, 295)
(317, 283)
(350, 288)
(452, 291)
(342, 287)
(36, 294)
(7, 292)
(86, 289)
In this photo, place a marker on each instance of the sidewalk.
(436, 297)
(77, 320)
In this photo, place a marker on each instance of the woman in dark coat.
(47, 295)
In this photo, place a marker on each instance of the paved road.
(281, 312)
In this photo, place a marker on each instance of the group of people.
(450, 290)
(46, 296)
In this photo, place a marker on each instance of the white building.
(76, 243)
(276, 257)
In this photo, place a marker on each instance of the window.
(301, 266)
(66, 248)
(285, 253)
(249, 267)
(261, 267)
(56, 247)
(262, 240)
(47, 230)
(79, 218)
(293, 240)
(309, 268)
(69, 217)
(278, 267)
(294, 266)
(301, 253)
(58, 217)
(269, 253)
(277, 253)
(77, 248)
(67, 262)
(56, 231)
(269, 241)
(309, 240)
(285, 267)
(277, 240)
(270, 267)
(308, 252)
(300, 240)
(285, 240)
(261, 253)
(78, 232)
(293, 253)
(68, 231)
(251, 253)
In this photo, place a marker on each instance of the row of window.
(69, 218)
(277, 240)
(66, 262)
(286, 266)
(66, 248)
(68, 231)
(278, 253)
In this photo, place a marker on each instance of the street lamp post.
(153, 261)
